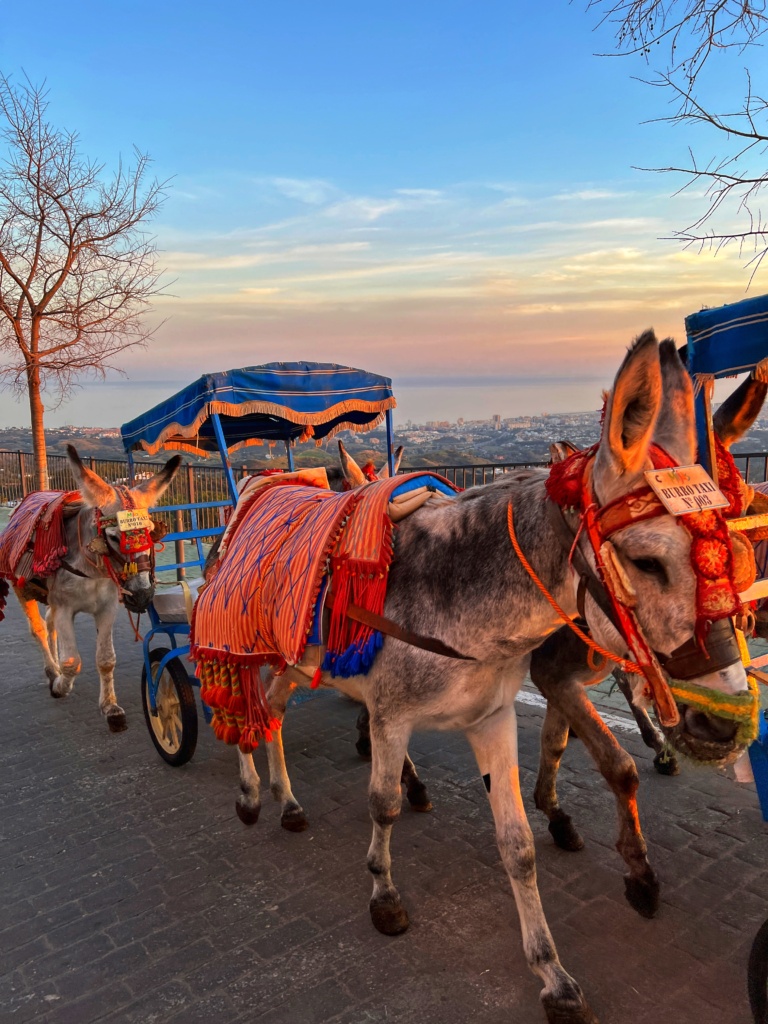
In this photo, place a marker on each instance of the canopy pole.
(289, 453)
(231, 485)
(131, 470)
(390, 443)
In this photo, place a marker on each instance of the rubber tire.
(187, 708)
(757, 976)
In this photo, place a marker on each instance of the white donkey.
(92, 581)
(456, 578)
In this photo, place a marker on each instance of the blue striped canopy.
(274, 402)
(729, 339)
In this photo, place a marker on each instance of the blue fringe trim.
(355, 660)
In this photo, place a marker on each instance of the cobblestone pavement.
(131, 893)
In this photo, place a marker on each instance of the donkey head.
(138, 586)
(652, 402)
(353, 476)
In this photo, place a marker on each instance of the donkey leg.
(494, 742)
(620, 772)
(69, 657)
(363, 726)
(53, 640)
(665, 761)
(415, 790)
(105, 663)
(389, 747)
(292, 815)
(554, 739)
(248, 803)
(42, 635)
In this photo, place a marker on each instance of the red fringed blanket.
(33, 544)
(259, 604)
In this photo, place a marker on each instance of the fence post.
(181, 572)
(191, 483)
(23, 474)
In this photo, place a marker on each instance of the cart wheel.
(757, 976)
(174, 728)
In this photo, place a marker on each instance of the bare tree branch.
(687, 31)
(77, 266)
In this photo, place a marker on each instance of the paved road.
(131, 893)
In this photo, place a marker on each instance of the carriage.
(724, 342)
(277, 404)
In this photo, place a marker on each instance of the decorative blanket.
(260, 602)
(33, 544)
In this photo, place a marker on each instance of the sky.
(447, 193)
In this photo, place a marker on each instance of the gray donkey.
(84, 583)
(456, 578)
(560, 667)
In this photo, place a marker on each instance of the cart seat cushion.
(171, 603)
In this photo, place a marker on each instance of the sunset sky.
(441, 191)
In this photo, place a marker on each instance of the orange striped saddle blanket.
(259, 604)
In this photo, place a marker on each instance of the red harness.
(570, 486)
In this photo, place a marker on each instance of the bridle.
(577, 516)
(134, 554)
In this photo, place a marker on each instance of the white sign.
(134, 519)
(684, 489)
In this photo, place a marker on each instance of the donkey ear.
(742, 407)
(97, 492)
(630, 418)
(676, 425)
(150, 490)
(384, 471)
(352, 472)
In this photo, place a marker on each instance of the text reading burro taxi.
(686, 489)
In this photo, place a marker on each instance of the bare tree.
(678, 40)
(77, 268)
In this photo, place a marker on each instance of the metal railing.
(197, 484)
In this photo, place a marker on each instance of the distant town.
(436, 442)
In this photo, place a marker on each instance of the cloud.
(312, 191)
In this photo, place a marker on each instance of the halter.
(136, 550)
(570, 489)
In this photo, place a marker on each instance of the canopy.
(274, 402)
(728, 339)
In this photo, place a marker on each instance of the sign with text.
(134, 519)
(685, 489)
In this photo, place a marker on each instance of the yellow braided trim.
(741, 708)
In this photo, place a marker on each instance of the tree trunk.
(38, 432)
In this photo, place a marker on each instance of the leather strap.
(384, 625)
(75, 572)
(588, 581)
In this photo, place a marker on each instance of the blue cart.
(219, 413)
(724, 342)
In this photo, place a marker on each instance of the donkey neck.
(457, 577)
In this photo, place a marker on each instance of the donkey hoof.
(642, 894)
(389, 917)
(54, 692)
(294, 820)
(248, 815)
(568, 1005)
(52, 676)
(568, 1011)
(117, 721)
(565, 835)
(666, 764)
(363, 747)
(418, 798)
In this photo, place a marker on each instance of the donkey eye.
(650, 566)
